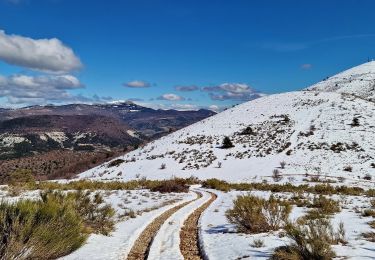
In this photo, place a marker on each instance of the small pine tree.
(227, 143)
(247, 131)
(355, 122)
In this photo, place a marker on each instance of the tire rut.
(143, 243)
(189, 235)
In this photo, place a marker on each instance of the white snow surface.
(221, 241)
(359, 81)
(311, 131)
(119, 243)
(166, 243)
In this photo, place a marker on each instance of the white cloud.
(232, 91)
(49, 55)
(236, 87)
(175, 106)
(40, 89)
(215, 108)
(171, 97)
(137, 84)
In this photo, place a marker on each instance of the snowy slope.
(359, 81)
(313, 132)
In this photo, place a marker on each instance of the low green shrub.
(216, 184)
(174, 185)
(252, 214)
(325, 205)
(53, 226)
(311, 241)
(39, 229)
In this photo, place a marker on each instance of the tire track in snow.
(189, 235)
(143, 243)
(166, 244)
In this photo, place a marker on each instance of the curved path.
(189, 235)
(140, 249)
(166, 244)
(175, 233)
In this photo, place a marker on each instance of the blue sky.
(235, 48)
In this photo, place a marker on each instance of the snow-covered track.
(141, 247)
(189, 236)
(166, 244)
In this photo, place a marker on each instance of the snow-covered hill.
(359, 81)
(321, 133)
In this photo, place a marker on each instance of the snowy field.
(221, 241)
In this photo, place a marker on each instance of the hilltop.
(312, 132)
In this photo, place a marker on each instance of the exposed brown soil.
(189, 240)
(142, 245)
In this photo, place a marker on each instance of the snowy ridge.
(359, 81)
(312, 132)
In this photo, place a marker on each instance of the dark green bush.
(116, 162)
(227, 143)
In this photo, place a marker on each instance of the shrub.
(367, 177)
(39, 229)
(18, 177)
(310, 242)
(116, 162)
(227, 143)
(163, 166)
(216, 184)
(257, 243)
(174, 185)
(355, 122)
(369, 236)
(252, 214)
(247, 131)
(368, 213)
(325, 205)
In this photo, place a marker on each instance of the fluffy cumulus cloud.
(186, 88)
(48, 55)
(232, 91)
(171, 97)
(24, 89)
(137, 84)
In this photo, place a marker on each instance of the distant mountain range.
(109, 128)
